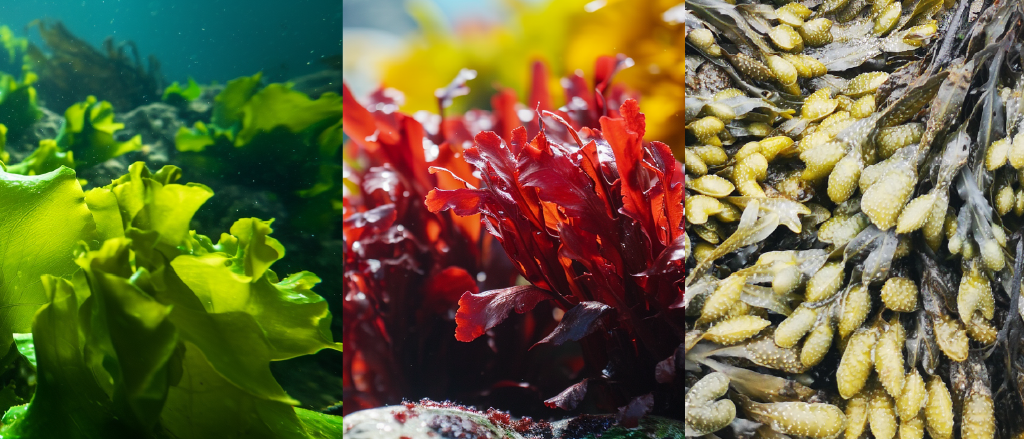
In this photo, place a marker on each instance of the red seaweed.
(587, 212)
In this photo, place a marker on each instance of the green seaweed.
(176, 95)
(47, 157)
(5, 157)
(26, 346)
(143, 328)
(88, 131)
(18, 105)
(86, 138)
(272, 138)
(15, 45)
(43, 217)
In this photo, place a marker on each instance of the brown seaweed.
(74, 70)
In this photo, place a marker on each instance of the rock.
(433, 420)
(201, 107)
(231, 202)
(46, 127)
(157, 123)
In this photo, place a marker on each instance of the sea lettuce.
(46, 158)
(15, 46)
(5, 157)
(227, 111)
(272, 138)
(175, 94)
(86, 135)
(160, 332)
(278, 105)
(42, 219)
(88, 131)
(19, 108)
(242, 111)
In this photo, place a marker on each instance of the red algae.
(525, 425)
(403, 416)
(498, 417)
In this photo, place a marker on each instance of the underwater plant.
(272, 138)
(178, 96)
(74, 70)
(404, 270)
(85, 139)
(88, 133)
(568, 190)
(405, 267)
(16, 47)
(45, 158)
(597, 249)
(18, 106)
(18, 109)
(139, 327)
(853, 204)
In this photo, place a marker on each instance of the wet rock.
(46, 127)
(231, 202)
(430, 419)
(157, 123)
(201, 108)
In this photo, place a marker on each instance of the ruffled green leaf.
(194, 139)
(26, 346)
(295, 320)
(88, 131)
(227, 109)
(106, 212)
(256, 250)
(148, 204)
(68, 403)
(279, 106)
(135, 337)
(47, 157)
(319, 425)
(205, 405)
(250, 124)
(175, 92)
(42, 219)
(18, 106)
(132, 347)
(236, 348)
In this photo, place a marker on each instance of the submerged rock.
(434, 420)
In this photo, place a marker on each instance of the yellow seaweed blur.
(568, 35)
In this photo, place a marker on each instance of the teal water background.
(206, 39)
